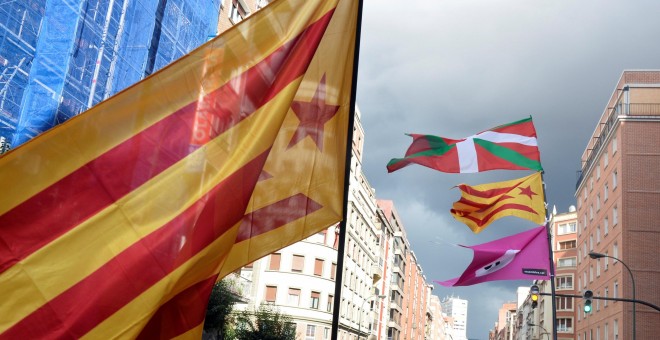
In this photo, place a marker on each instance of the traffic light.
(534, 295)
(587, 301)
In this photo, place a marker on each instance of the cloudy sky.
(453, 68)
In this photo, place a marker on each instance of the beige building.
(507, 321)
(234, 11)
(618, 199)
(564, 248)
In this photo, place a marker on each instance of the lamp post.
(594, 255)
(547, 334)
(362, 310)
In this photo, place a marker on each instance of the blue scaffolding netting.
(60, 57)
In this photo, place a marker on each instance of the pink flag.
(522, 256)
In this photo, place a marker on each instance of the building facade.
(565, 254)
(457, 309)
(58, 58)
(618, 195)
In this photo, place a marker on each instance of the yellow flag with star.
(482, 204)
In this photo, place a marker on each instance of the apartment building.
(457, 309)
(58, 58)
(506, 322)
(618, 195)
(564, 248)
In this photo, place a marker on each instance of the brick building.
(618, 198)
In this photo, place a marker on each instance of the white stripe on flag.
(467, 156)
(497, 137)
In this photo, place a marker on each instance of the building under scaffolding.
(60, 57)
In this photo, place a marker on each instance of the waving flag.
(510, 147)
(117, 223)
(482, 204)
(522, 256)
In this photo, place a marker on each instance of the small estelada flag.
(523, 256)
(482, 204)
(510, 146)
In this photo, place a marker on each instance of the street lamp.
(545, 331)
(362, 309)
(632, 278)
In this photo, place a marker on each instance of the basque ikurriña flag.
(482, 204)
(117, 223)
(508, 147)
(522, 256)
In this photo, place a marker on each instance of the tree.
(265, 323)
(218, 311)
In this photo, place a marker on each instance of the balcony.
(621, 109)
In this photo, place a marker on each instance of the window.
(591, 273)
(615, 330)
(597, 267)
(564, 303)
(615, 216)
(591, 212)
(331, 300)
(614, 146)
(236, 12)
(591, 184)
(294, 296)
(309, 334)
(606, 328)
(584, 249)
(606, 225)
(598, 202)
(584, 221)
(333, 271)
(605, 192)
(614, 179)
(598, 171)
(597, 235)
(564, 325)
(567, 228)
(298, 263)
(615, 290)
(315, 300)
(564, 282)
(318, 267)
(326, 333)
(271, 293)
(606, 262)
(275, 261)
(606, 159)
(606, 292)
(567, 262)
(567, 244)
(591, 242)
(615, 251)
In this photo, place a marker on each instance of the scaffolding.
(60, 57)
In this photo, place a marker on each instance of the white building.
(300, 279)
(457, 309)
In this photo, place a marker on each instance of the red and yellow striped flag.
(482, 204)
(117, 223)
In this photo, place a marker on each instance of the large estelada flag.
(510, 146)
(117, 223)
(523, 256)
(480, 205)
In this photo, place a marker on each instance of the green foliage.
(265, 323)
(218, 311)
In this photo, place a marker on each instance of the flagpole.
(552, 263)
(347, 176)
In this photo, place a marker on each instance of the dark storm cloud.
(453, 68)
